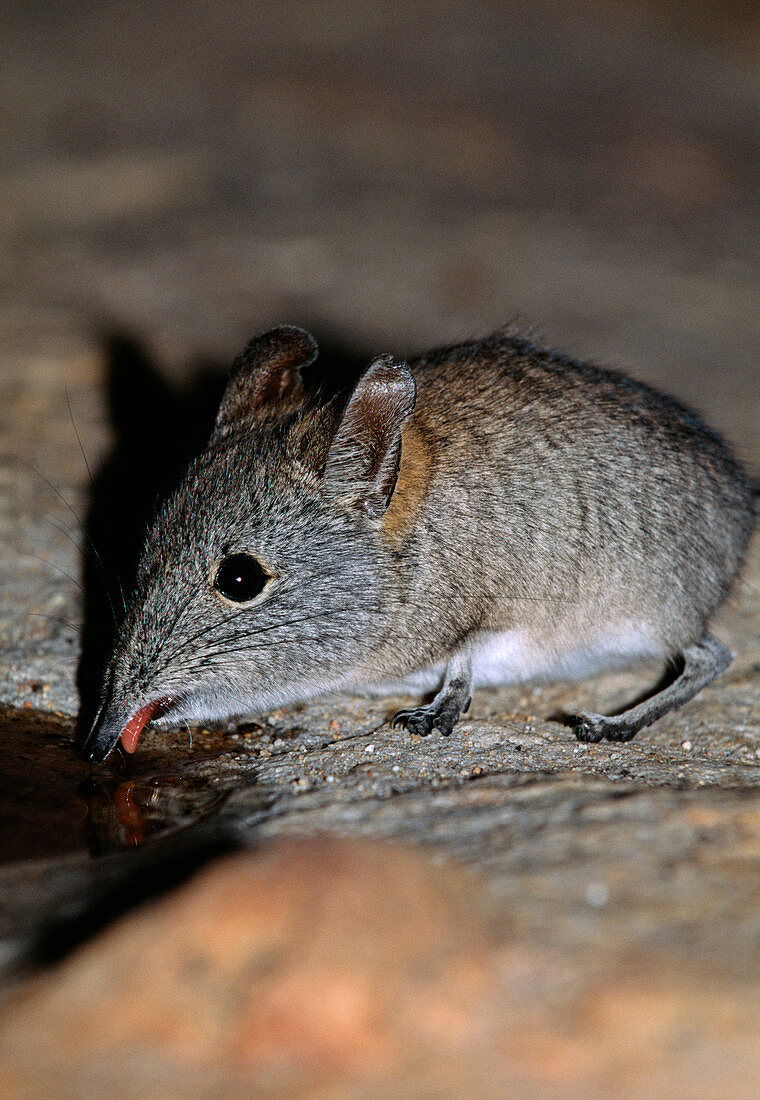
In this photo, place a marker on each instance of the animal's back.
(567, 499)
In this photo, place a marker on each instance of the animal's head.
(263, 577)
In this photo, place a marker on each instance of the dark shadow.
(337, 368)
(158, 429)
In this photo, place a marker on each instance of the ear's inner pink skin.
(136, 724)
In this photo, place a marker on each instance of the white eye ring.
(240, 578)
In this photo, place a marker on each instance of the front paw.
(419, 720)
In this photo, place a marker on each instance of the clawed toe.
(444, 722)
(415, 719)
(423, 720)
(587, 728)
(594, 727)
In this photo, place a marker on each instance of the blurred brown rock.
(334, 967)
(316, 961)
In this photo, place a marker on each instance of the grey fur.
(544, 507)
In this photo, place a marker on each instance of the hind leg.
(702, 662)
(450, 703)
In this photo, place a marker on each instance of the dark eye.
(240, 577)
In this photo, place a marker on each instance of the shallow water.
(56, 804)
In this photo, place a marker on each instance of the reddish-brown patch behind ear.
(413, 478)
(363, 460)
(267, 372)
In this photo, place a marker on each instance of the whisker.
(65, 502)
(54, 619)
(34, 557)
(92, 484)
(60, 662)
(204, 630)
(222, 646)
(88, 549)
(285, 623)
(178, 652)
(222, 653)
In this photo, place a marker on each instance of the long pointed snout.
(104, 733)
(113, 723)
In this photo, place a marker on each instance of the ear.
(267, 372)
(363, 460)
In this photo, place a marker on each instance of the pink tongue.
(136, 724)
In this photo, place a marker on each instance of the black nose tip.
(103, 736)
(96, 751)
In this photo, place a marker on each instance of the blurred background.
(175, 177)
(394, 175)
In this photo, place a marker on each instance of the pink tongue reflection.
(136, 724)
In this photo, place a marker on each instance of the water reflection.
(54, 804)
(125, 813)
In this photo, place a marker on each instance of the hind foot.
(700, 664)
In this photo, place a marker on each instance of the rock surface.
(391, 180)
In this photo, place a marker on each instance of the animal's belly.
(514, 657)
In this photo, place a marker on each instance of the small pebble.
(686, 746)
(597, 894)
(370, 749)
